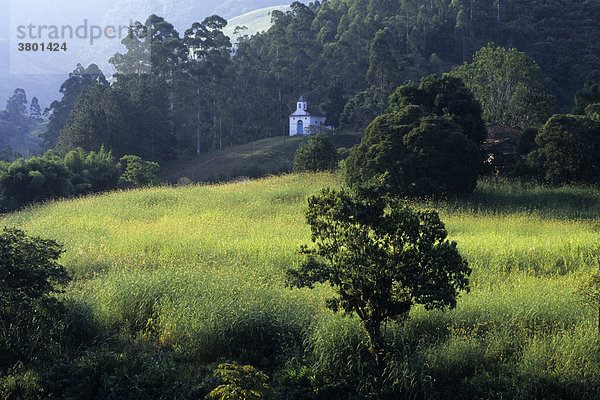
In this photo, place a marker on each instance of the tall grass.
(199, 270)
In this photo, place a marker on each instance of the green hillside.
(197, 272)
(255, 159)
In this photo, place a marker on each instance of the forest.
(345, 56)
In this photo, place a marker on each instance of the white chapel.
(305, 117)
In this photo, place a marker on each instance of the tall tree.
(152, 47)
(507, 84)
(383, 68)
(210, 56)
(78, 81)
(16, 106)
(35, 111)
(88, 125)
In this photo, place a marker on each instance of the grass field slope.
(263, 157)
(198, 271)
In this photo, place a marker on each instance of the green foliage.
(128, 117)
(240, 382)
(363, 108)
(24, 182)
(569, 150)
(197, 98)
(316, 154)
(381, 258)
(507, 85)
(78, 82)
(411, 153)
(16, 106)
(29, 275)
(585, 96)
(34, 180)
(92, 172)
(593, 111)
(443, 96)
(590, 291)
(19, 132)
(526, 142)
(138, 172)
(383, 67)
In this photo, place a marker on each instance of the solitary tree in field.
(381, 257)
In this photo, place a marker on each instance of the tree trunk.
(220, 126)
(498, 11)
(377, 344)
(199, 119)
(598, 262)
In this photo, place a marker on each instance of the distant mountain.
(253, 14)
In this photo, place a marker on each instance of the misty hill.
(255, 21)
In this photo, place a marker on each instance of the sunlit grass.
(200, 269)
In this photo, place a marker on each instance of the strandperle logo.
(85, 31)
(52, 37)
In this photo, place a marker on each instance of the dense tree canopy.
(506, 83)
(569, 150)
(443, 96)
(412, 153)
(346, 56)
(585, 96)
(426, 144)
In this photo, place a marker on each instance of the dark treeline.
(37, 179)
(346, 56)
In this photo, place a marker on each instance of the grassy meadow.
(198, 271)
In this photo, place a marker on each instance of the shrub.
(29, 274)
(138, 172)
(94, 172)
(34, 180)
(240, 382)
(316, 154)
